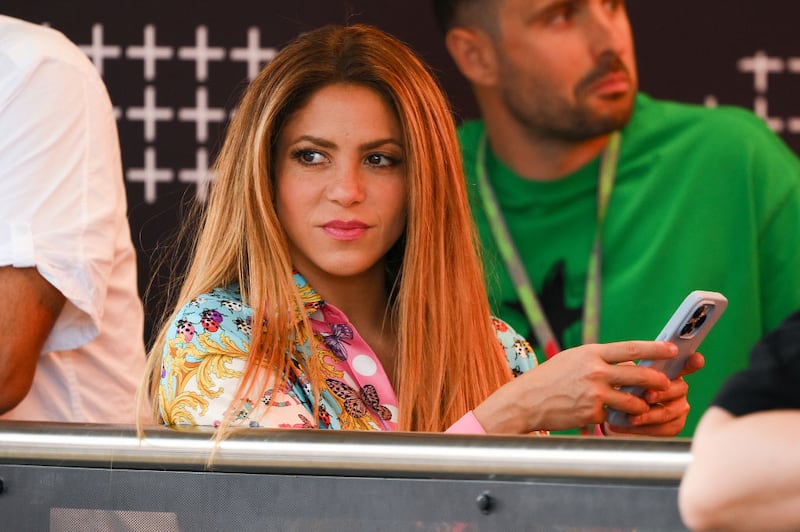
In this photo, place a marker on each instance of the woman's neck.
(365, 302)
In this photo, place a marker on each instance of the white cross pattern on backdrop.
(763, 68)
(150, 114)
(761, 65)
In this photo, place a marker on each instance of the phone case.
(687, 328)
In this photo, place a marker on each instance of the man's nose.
(608, 29)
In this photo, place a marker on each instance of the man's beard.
(546, 115)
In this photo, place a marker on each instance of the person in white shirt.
(72, 345)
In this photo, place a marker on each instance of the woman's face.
(340, 182)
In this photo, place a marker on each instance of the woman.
(335, 282)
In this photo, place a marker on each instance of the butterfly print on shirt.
(306, 423)
(336, 339)
(358, 403)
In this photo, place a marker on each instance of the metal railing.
(484, 481)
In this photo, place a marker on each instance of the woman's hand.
(574, 388)
(668, 408)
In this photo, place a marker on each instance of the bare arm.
(572, 389)
(745, 472)
(28, 309)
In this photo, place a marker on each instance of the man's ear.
(474, 53)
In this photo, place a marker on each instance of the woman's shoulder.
(518, 350)
(219, 311)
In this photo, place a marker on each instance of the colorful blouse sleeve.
(518, 350)
(203, 361)
(468, 424)
(520, 357)
(203, 357)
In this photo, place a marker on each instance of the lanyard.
(530, 302)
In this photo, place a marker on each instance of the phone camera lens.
(698, 318)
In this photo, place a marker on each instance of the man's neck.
(539, 158)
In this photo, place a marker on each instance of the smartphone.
(687, 328)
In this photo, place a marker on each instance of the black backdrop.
(172, 104)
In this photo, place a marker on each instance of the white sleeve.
(60, 178)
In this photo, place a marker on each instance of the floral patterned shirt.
(207, 348)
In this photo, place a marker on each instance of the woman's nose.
(348, 187)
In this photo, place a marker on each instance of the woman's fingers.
(636, 350)
(677, 389)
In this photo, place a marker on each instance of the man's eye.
(562, 13)
(560, 17)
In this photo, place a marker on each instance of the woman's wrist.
(503, 413)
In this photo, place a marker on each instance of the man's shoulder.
(724, 120)
(727, 138)
(470, 132)
(27, 45)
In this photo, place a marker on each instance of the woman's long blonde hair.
(449, 359)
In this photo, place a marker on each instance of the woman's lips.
(345, 230)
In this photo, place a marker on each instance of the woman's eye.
(308, 156)
(377, 159)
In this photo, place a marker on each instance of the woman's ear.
(474, 53)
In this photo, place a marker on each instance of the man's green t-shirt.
(704, 199)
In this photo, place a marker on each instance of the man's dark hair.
(452, 13)
(446, 12)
